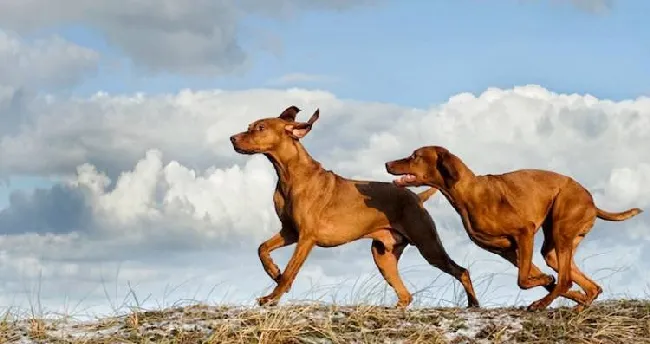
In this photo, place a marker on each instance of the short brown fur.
(316, 207)
(501, 213)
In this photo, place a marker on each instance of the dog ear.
(314, 117)
(289, 114)
(447, 166)
(300, 130)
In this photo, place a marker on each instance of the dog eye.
(260, 128)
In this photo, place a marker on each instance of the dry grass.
(606, 322)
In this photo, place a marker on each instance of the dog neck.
(454, 191)
(292, 164)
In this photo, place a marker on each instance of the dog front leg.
(303, 247)
(283, 238)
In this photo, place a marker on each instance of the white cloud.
(301, 78)
(192, 37)
(154, 183)
(113, 133)
(42, 63)
(627, 186)
(28, 66)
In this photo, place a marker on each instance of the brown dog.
(501, 214)
(316, 207)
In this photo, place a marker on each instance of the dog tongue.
(405, 179)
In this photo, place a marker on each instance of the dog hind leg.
(423, 234)
(591, 288)
(387, 247)
(572, 216)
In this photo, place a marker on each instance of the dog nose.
(387, 165)
(233, 138)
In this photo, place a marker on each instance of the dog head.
(431, 165)
(267, 134)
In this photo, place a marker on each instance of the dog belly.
(491, 242)
(332, 237)
(333, 242)
(495, 224)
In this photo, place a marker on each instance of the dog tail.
(624, 215)
(425, 195)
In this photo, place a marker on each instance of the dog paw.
(268, 300)
(549, 280)
(536, 306)
(403, 303)
(579, 308)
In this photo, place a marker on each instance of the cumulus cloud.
(28, 66)
(153, 182)
(521, 127)
(114, 132)
(149, 201)
(301, 78)
(56, 210)
(191, 37)
(42, 63)
(525, 126)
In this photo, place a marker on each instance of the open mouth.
(405, 180)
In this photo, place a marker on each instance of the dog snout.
(390, 167)
(396, 167)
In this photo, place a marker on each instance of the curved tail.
(426, 194)
(624, 215)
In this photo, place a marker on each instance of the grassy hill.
(623, 321)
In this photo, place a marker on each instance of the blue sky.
(419, 53)
(410, 56)
(416, 53)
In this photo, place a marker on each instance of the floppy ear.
(289, 114)
(300, 130)
(447, 166)
(314, 117)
